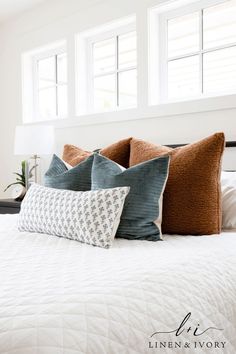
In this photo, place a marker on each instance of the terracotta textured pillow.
(74, 155)
(192, 198)
(118, 152)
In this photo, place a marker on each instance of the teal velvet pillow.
(141, 217)
(77, 178)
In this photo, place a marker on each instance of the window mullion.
(164, 60)
(201, 51)
(117, 71)
(220, 47)
(90, 77)
(105, 73)
(113, 72)
(56, 82)
(183, 56)
(127, 69)
(36, 89)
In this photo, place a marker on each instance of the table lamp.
(33, 141)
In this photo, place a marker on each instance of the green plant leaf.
(18, 174)
(21, 179)
(12, 184)
(23, 166)
(32, 168)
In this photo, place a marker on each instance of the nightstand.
(9, 206)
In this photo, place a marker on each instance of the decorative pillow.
(118, 152)
(141, 218)
(77, 178)
(192, 198)
(90, 217)
(74, 155)
(228, 188)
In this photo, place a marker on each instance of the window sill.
(153, 111)
(197, 105)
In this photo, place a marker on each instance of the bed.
(63, 297)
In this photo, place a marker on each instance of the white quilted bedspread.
(60, 296)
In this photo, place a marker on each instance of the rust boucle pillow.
(118, 152)
(74, 155)
(192, 198)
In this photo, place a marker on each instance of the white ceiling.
(12, 8)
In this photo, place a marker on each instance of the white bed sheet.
(60, 296)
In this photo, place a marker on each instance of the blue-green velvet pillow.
(77, 178)
(141, 217)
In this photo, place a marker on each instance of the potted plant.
(22, 180)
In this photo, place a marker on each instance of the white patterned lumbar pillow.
(91, 217)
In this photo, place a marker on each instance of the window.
(197, 51)
(45, 83)
(114, 72)
(191, 52)
(111, 68)
(51, 86)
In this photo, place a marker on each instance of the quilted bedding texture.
(62, 297)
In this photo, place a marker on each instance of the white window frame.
(30, 80)
(101, 37)
(74, 37)
(160, 90)
(84, 63)
(41, 56)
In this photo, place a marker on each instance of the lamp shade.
(34, 140)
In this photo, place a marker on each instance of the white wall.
(59, 19)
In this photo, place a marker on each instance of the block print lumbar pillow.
(91, 217)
